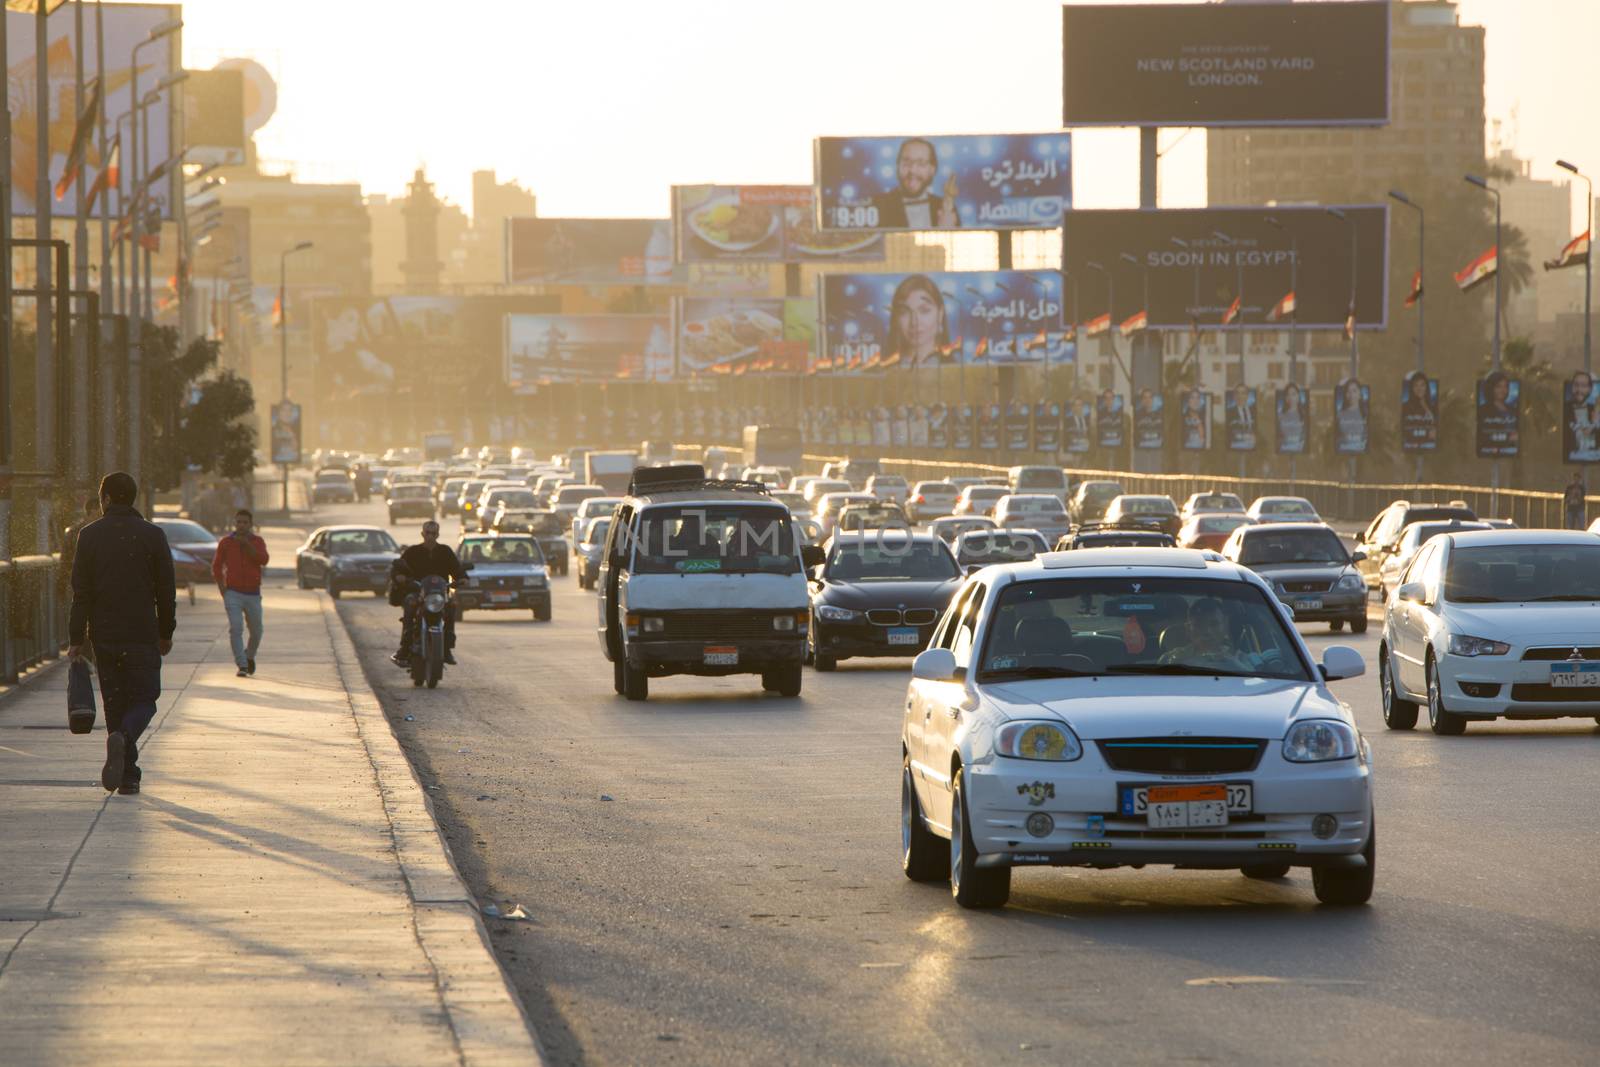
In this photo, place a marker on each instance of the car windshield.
(1037, 505)
(949, 531)
(596, 533)
(1288, 507)
(1041, 479)
(502, 550)
(1065, 627)
(994, 546)
(990, 493)
(332, 476)
(1147, 505)
(1218, 502)
(185, 533)
(1292, 546)
(512, 498)
(353, 542)
(540, 523)
(1223, 523)
(420, 492)
(1102, 492)
(1420, 534)
(1516, 573)
(716, 538)
(890, 558)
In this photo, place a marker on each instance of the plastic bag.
(80, 697)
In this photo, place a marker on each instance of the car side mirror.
(1411, 591)
(1342, 661)
(812, 556)
(1357, 556)
(934, 665)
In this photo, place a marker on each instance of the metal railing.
(33, 614)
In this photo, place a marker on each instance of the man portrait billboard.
(961, 428)
(938, 426)
(1149, 420)
(1077, 425)
(1239, 409)
(1046, 427)
(286, 432)
(1419, 413)
(1351, 403)
(1580, 419)
(1108, 419)
(1499, 416)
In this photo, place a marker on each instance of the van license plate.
(721, 656)
(904, 635)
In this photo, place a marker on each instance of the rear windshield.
(1222, 523)
(420, 492)
(1429, 514)
(502, 550)
(1041, 479)
(888, 559)
(354, 542)
(512, 498)
(1147, 505)
(716, 538)
(1044, 505)
(1102, 491)
(576, 495)
(1516, 573)
(1290, 507)
(1218, 502)
(994, 546)
(1293, 546)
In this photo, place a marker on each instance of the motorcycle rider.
(416, 563)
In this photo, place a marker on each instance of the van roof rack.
(686, 478)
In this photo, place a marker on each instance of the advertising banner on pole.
(591, 252)
(1196, 420)
(1580, 419)
(286, 433)
(1019, 434)
(1499, 416)
(744, 335)
(1046, 427)
(1245, 64)
(1108, 419)
(874, 322)
(1239, 410)
(1193, 272)
(938, 426)
(1419, 413)
(1352, 402)
(1077, 425)
(1149, 420)
(976, 182)
(1292, 406)
(760, 223)
(961, 432)
(586, 348)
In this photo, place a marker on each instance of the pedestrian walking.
(125, 595)
(1577, 512)
(236, 566)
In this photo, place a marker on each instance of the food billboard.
(744, 334)
(761, 223)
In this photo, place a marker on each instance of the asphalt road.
(713, 877)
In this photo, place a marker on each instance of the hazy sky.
(600, 105)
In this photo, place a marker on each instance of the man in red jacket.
(237, 569)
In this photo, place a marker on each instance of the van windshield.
(1041, 479)
(716, 539)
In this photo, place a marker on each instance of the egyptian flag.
(1479, 270)
(1232, 312)
(150, 241)
(109, 174)
(80, 141)
(1416, 289)
(1575, 254)
(982, 350)
(1282, 309)
(1350, 324)
(1134, 324)
(1097, 325)
(1039, 340)
(277, 309)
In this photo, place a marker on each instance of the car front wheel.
(333, 590)
(635, 682)
(1347, 888)
(1398, 712)
(924, 855)
(1443, 722)
(971, 885)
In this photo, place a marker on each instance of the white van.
(1040, 479)
(700, 576)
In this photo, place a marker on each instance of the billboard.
(1196, 420)
(1239, 415)
(1246, 64)
(1046, 427)
(880, 321)
(1499, 415)
(1580, 419)
(979, 182)
(593, 252)
(1077, 425)
(1108, 419)
(1419, 413)
(213, 116)
(286, 433)
(1352, 404)
(1194, 282)
(743, 334)
(540, 349)
(126, 25)
(1293, 407)
(761, 223)
(1149, 420)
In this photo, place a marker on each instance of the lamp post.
(1238, 295)
(1111, 307)
(176, 151)
(1294, 327)
(1126, 257)
(1350, 328)
(1422, 306)
(1588, 259)
(283, 341)
(1473, 179)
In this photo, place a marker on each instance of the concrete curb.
(484, 1013)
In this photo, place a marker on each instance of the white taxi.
(1115, 707)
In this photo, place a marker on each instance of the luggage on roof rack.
(685, 478)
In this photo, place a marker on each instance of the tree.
(191, 423)
(215, 434)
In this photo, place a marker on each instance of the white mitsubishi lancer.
(1130, 707)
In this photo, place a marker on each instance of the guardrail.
(33, 614)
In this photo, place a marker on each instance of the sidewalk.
(278, 894)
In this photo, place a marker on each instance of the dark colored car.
(549, 527)
(977, 549)
(193, 547)
(1382, 535)
(1146, 508)
(507, 573)
(1116, 535)
(344, 559)
(411, 500)
(1090, 500)
(879, 593)
(1308, 567)
(333, 485)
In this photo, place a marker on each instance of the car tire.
(1398, 712)
(1358, 624)
(971, 885)
(1265, 872)
(541, 614)
(616, 675)
(1441, 720)
(1335, 626)
(1343, 888)
(783, 679)
(635, 682)
(332, 590)
(924, 855)
(824, 662)
(300, 578)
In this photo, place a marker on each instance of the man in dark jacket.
(124, 593)
(416, 563)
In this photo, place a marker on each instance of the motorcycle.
(427, 602)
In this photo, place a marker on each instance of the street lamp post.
(1238, 295)
(1111, 307)
(1473, 179)
(283, 342)
(1350, 328)
(1143, 336)
(1422, 305)
(1588, 259)
(1294, 326)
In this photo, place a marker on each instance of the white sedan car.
(1283, 509)
(1114, 707)
(1494, 623)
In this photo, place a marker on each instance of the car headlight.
(783, 622)
(1038, 740)
(433, 602)
(654, 625)
(1351, 583)
(836, 614)
(534, 581)
(1317, 740)
(1465, 645)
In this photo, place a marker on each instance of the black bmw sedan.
(879, 593)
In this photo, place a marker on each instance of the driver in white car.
(1208, 643)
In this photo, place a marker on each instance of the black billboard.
(1187, 64)
(1193, 269)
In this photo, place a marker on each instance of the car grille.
(1544, 693)
(1561, 652)
(1306, 587)
(897, 617)
(717, 625)
(1189, 755)
(499, 583)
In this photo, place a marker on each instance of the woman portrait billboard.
(1196, 420)
(1419, 413)
(1499, 415)
(1580, 419)
(1351, 403)
(1291, 405)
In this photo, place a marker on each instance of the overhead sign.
(213, 116)
(982, 182)
(1240, 64)
(592, 252)
(881, 321)
(541, 349)
(762, 223)
(1193, 258)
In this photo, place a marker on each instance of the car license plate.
(721, 656)
(904, 635)
(1575, 675)
(502, 598)
(1135, 800)
(1177, 806)
(1309, 603)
